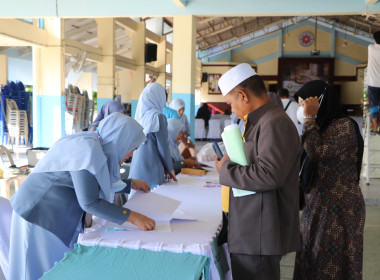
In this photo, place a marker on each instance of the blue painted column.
(101, 102)
(134, 106)
(48, 119)
(184, 64)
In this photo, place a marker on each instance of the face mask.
(300, 114)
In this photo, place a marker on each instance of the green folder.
(233, 142)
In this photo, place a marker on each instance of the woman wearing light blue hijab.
(79, 174)
(107, 109)
(175, 130)
(187, 147)
(152, 160)
(179, 105)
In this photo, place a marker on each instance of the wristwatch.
(310, 117)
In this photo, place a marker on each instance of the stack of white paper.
(160, 208)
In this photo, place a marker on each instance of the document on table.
(127, 226)
(155, 206)
(160, 208)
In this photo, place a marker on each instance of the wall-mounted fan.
(78, 61)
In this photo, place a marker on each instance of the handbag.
(306, 177)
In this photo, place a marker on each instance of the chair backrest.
(11, 104)
(4, 150)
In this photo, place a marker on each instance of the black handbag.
(306, 177)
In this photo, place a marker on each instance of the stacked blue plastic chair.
(15, 91)
(5, 93)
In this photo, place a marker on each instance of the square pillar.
(160, 64)
(184, 63)
(49, 104)
(106, 68)
(3, 69)
(138, 55)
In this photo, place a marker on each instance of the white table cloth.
(214, 129)
(200, 130)
(195, 237)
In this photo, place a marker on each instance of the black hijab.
(204, 113)
(330, 110)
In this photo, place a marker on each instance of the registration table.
(201, 200)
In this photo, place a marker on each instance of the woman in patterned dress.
(332, 221)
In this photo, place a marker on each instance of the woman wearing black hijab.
(204, 113)
(332, 221)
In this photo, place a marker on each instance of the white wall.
(20, 70)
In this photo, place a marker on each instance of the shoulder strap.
(287, 105)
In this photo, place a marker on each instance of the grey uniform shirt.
(56, 201)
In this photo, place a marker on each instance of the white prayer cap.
(234, 77)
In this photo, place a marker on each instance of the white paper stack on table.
(160, 208)
(233, 142)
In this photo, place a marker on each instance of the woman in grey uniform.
(152, 160)
(79, 174)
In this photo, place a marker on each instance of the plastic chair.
(4, 150)
(214, 130)
(200, 130)
(17, 123)
(226, 123)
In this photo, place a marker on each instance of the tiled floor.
(371, 193)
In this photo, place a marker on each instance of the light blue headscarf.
(151, 104)
(177, 104)
(107, 109)
(97, 152)
(174, 128)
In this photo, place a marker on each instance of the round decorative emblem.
(306, 39)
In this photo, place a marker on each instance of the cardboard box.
(193, 171)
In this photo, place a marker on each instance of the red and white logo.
(306, 39)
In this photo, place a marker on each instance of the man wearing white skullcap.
(265, 225)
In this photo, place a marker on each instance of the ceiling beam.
(205, 20)
(73, 48)
(125, 62)
(89, 38)
(229, 27)
(12, 30)
(81, 29)
(244, 33)
(123, 49)
(4, 48)
(127, 23)
(152, 37)
(24, 51)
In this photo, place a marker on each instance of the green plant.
(95, 98)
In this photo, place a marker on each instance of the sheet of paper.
(180, 215)
(160, 226)
(155, 206)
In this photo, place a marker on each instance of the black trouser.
(248, 267)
